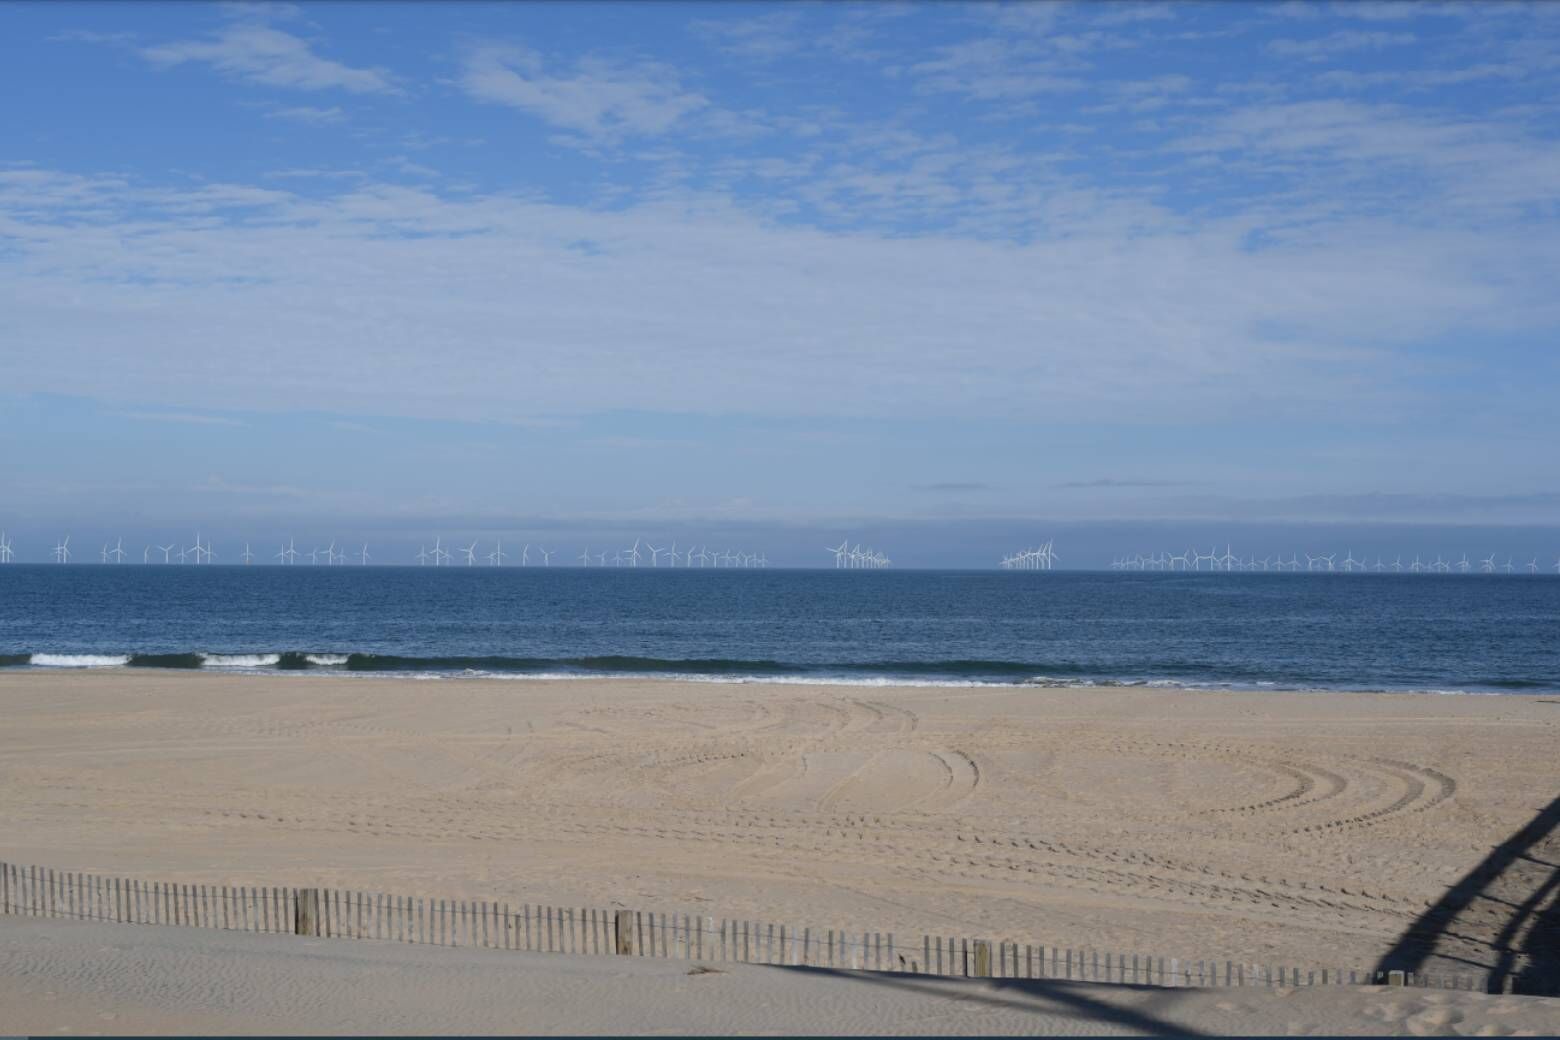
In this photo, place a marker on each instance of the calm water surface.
(1295, 631)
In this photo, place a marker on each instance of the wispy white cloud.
(180, 417)
(1343, 42)
(762, 37)
(481, 306)
(309, 115)
(994, 69)
(596, 97)
(258, 53)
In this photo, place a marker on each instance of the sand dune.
(1297, 829)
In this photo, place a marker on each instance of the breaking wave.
(959, 672)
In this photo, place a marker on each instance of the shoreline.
(335, 665)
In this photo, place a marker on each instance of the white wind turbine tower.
(62, 551)
(633, 554)
(838, 551)
(496, 557)
(1533, 566)
(655, 554)
(440, 554)
(422, 555)
(183, 555)
(1349, 562)
(547, 555)
(584, 557)
(281, 555)
(246, 555)
(5, 549)
(471, 554)
(146, 554)
(103, 553)
(166, 550)
(525, 555)
(1487, 565)
(363, 555)
(1463, 565)
(673, 551)
(118, 551)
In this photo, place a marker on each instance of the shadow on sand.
(1035, 996)
(1514, 894)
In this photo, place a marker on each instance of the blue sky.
(574, 270)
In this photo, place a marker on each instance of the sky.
(952, 277)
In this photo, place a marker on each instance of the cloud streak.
(596, 97)
(257, 53)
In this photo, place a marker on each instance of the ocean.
(1441, 633)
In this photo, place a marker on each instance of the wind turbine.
(655, 554)
(422, 555)
(546, 556)
(166, 549)
(146, 554)
(525, 555)
(363, 555)
(1533, 566)
(496, 557)
(584, 557)
(5, 549)
(62, 551)
(247, 556)
(103, 553)
(440, 554)
(839, 555)
(118, 551)
(471, 554)
(1487, 565)
(633, 554)
(281, 555)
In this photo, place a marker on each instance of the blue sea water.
(1450, 633)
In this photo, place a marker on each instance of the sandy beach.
(1311, 830)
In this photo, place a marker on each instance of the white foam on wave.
(79, 660)
(240, 660)
(326, 660)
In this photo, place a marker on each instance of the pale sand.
(71, 977)
(1302, 830)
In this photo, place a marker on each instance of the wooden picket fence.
(335, 913)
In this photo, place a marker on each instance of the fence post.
(306, 920)
(623, 927)
(979, 965)
(1394, 978)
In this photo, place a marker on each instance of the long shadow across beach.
(1502, 916)
(1035, 996)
